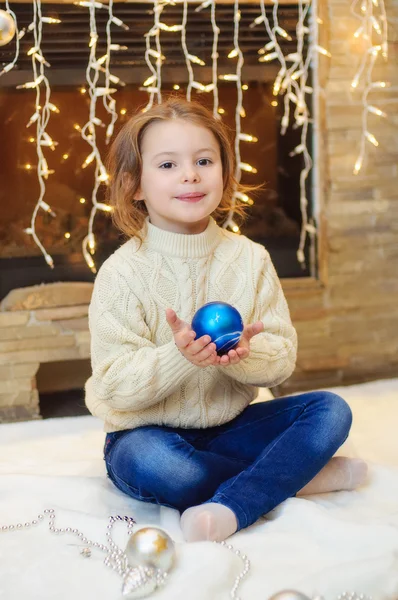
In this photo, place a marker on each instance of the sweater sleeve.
(129, 372)
(273, 352)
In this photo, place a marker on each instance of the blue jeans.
(250, 464)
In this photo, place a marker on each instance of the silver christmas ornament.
(289, 595)
(139, 582)
(7, 28)
(150, 547)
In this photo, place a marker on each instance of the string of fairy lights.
(41, 117)
(291, 81)
(153, 83)
(291, 84)
(239, 112)
(372, 33)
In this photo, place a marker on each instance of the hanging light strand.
(41, 117)
(18, 35)
(238, 112)
(302, 117)
(88, 133)
(153, 84)
(159, 7)
(372, 33)
(214, 57)
(191, 58)
(292, 82)
(272, 47)
(185, 50)
(296, 75)
(109, 102)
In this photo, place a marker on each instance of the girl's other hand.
(242, 350)
(199, 352)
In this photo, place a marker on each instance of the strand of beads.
(138, 581)
(242, 574)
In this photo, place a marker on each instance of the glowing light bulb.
(358, 32)
(149, 80)
(371, 138)
(355, 81)
(242, 197)
(246, 167)
(283, 33)
(104, 207)
(380, 84)
(358, 166)
(196, 60)
(322, 50)
(247, 138)
(104, 176)
(49, 260)
(268, 57)
(229, 77)
(376, 111)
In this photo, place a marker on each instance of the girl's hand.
(199, 352)
(241, 351)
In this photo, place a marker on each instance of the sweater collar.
(182, 245)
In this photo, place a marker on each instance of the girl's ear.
(127, 182)
(138, 196)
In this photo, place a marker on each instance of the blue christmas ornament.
(222, 322)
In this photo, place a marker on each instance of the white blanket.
(323, 544)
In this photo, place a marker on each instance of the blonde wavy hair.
(124, 164)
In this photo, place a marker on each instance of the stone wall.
(39, 324)
(347, 321)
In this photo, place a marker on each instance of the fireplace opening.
(61, 388)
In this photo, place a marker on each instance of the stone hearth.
(39, 324)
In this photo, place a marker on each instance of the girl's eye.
(204, 162)
(166, 165)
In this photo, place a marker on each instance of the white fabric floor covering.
(323, 544)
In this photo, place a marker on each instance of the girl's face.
(181, 180)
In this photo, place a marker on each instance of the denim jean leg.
(158, 465)
(294, 457)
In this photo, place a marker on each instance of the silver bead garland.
(138, 581)
(141, 580)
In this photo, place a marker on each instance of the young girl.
(181, 429)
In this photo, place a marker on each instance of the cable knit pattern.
(139, 376)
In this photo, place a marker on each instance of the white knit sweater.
(139, 376)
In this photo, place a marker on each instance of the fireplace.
(275, 218)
